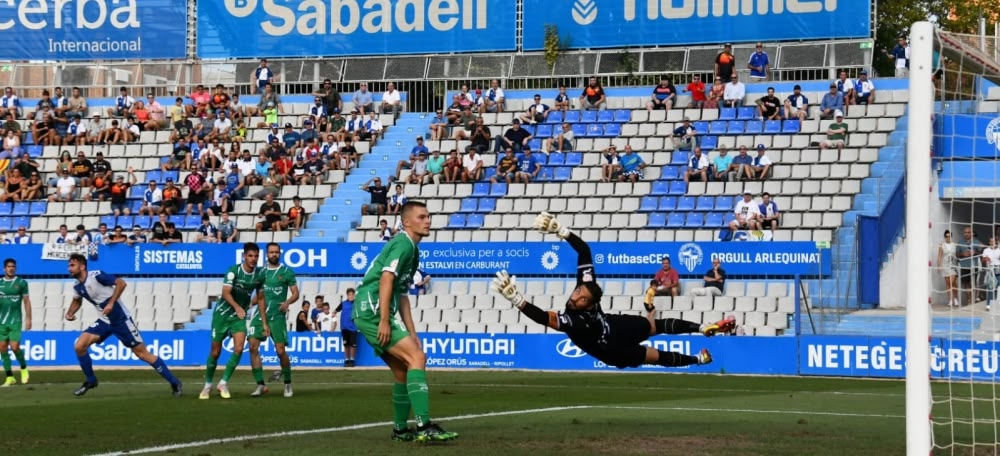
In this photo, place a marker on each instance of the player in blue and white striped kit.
(104, 292)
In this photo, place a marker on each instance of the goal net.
(954, 191)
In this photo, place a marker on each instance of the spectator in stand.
(716, 94)
(176, 112)
(562, 100)
(697, 90)
(439, 126)
(685, 136)
(11, 125)
(385, 232)
(261, 167)
(698, 167)
(206, 231)
(331, 96)
(747, 214)
(317, 110)
(836, 133)
(864, 90)
(465, 125)
(536, 113)
(302, 323)
(664, 96)
(379, 197)
(420, 282)
(900, 56)
(76, 134)
(180, 158)
(392, 101)
(117, 236)
(60, 104)
(157, 114)
(10, 104)
(22, 237)
(562, 142)
(315, 170)
(152, 200)
(797, 105)
(123, 104)
(735, 93)
(769, 215)
(269, 101)
(220, 100)
(373, 128)
(397, 200)
(13, 181)
(452, 167)
(222, 128)
(494, 99)
(968, 252)
(268, 214)
(363, 101)
(472, 166)
(769, 105)
(833, 102)
(419, 174)
(435, 167)
(299, 176)
(481, 136)
(761, 164)
(83, 170)
(80, 237)
(41, 124)
(593, 97)
(528, 167)
(76, 104)
(183, 129)
(137, 236)
(667, 279)
(741, 166)
(611, 166)
(725, 63)
(515, 137)
(142, 117)
(721, 165)
(171, 203)
(261, 77)
(227, 229)
(456, 108)
(101, 237)
(759, 64)
(846, 88)
(34, 189)
(506, 168)
(715, 280)
(201, 102)
(63, 235)
(119, 193)
(170, 236)
(631, 166)
(296, 217)
(418, 149)
(195, 183)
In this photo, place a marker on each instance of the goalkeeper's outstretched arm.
(544, 318)
(547, 223)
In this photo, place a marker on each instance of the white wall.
(891, 294)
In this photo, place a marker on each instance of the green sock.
(258, 374)
(231, 365)
(416, 388)
(286, 373)
(400, 405)
(19, 354)
(210, 366)
(5, 355)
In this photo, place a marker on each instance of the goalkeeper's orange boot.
(724, 326)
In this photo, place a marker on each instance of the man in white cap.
(836, 133)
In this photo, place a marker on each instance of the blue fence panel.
(593, 24)
(876, 236)
(967, 136)
(257, 28)
(93, 30)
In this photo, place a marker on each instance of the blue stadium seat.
(499, 189)
(754, 127)
(17, 222)
(38, 208)
(28, 137)
(612, 129)
(145, 221)
(21, 208)
(481, 189)
(528, 128)
(686, 203)
(595, 130)
(133, 206)
(713, 219)
(175, 175)
(678, 188)
(772, 126)
(579, 129)
(469, 205)
(718, 127)
(137, 191)
(705, 204)
(191, 222)
(588, 116)
(164, 160)
(178, 220)
(791, 126)
(151, 176)
(544, 131)
(606, 116)
(675, 220)
(680, 157)
(574, 158)
(648, 204)
(659, 188)
(556, 159)
(562, 174)
(34, 151)
(5, 223)
(623, 115)
(456, 221)
(126, 221)
(708, 143)
(545, 175)
(727, 114)
(109, 220)
(736, 127)
(728, 218)
(668, 203)
(535, 144)
(657, 220)
(487, 205)
(670, 173)
(701, 127)
(489, 173)
(571, 116)
(747, 113)
(695, 220)
(474, 221)
(555, 117)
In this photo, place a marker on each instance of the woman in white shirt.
(947, 263)
(991, 261)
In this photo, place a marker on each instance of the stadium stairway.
(342, 211)
(864, 323)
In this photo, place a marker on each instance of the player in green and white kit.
(273, 303)
(13, 292)
(229, 316)
(380, 297)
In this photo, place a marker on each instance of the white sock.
(223, 383)
(208, 386)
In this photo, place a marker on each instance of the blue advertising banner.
(593, 24)
(886, 357)
(260, 28)
(967, 136)
(469, 258)
(92, 29)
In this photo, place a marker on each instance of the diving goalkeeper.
(612, 339)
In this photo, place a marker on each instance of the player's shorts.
(225, 326)
(10, 333)
(368, 327)
(349, 337)
(277, 325)
(126, 332)
(622, 348)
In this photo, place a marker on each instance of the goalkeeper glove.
(547, 223)
(506, 285)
